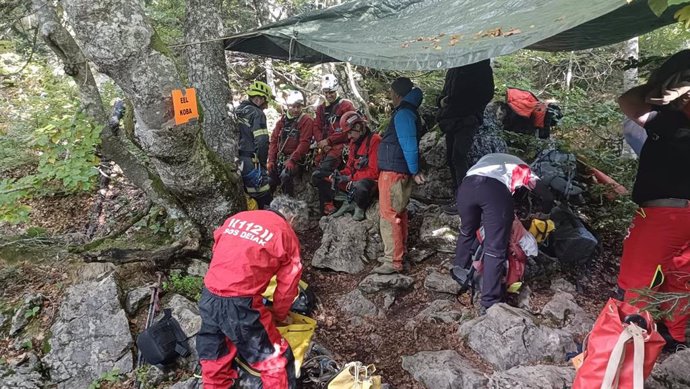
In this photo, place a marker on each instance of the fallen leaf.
(441, 34)
(512, 31)
(405, 45)
(419, 39)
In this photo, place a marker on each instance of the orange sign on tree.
(184, 105)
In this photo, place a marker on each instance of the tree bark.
(118, 38)
(208, 74)
(114, 146)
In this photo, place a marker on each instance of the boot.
(328, 208)
(388, 268)
(346, 207)
(359, 214)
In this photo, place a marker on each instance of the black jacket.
(469, 89)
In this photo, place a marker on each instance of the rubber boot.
(359, 214)
(346, 207)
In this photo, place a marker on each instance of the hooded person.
(331, 139)
(656, 251)
(249, 249)
(253, 144)
(358, 179)
(398, 162)
(289, 145)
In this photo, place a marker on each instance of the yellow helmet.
(259, 88)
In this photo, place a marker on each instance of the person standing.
(290, 141)
(331, 139)
(253, 145)
(466, 92)
(249, 249)
(398, 161)
(656, 252)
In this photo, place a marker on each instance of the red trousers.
(232, 325)
(395, 190)
(656, 253)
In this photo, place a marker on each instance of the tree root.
(97, 242)
(161, 257)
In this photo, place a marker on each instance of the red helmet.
(349, 119)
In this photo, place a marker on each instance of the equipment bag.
(163, 342)
(571, 242)
(558, 170)
(356, 375)
(298, 334)
(541, 229)
(621, 350)
(304, 302)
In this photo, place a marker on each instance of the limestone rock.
(565, 313)
(443, 283)
(561, 285)
(672, 373)
(90, 336)
(533, 377)
(443, 370)
(136, 298)
(507, 337)
(24, 314)
(385, 282)
(417, 256)
(346, 245)
(189, 383)
(186, 313)
(439, 230)
(94, 271)
(438, 311)
(197, 268)
(432, 159)
(22, 373)
(355, 304)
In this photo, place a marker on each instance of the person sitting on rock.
(290, 141)
(250, 248)
(485, 197)
(359, 177)
(329, 136)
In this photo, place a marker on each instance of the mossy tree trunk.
(118, 38)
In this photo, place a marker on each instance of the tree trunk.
(630, 79)
(118, 38)
(114, 146)
(209, 75)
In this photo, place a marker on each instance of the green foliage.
(107, 377)
(49, 137)
(32, 312)
(188, 286)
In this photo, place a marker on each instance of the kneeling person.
(250, 248)
(289, 144)
(358, 179)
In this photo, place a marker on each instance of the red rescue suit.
(355, 167)
(291, 139)
(328, 126)
(250, 248)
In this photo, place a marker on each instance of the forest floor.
(43, 264)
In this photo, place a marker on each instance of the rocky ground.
(66, 324)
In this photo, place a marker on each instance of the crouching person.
(485, 197)
(289, 144)
(250, 248)
(358, 179)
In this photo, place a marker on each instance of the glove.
(270, 166)
(290, 165)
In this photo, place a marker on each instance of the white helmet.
(329, 82)
(294, 97)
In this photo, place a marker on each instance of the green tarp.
(439, 34)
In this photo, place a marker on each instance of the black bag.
(163, 342)
(558, 170)
(571, 242)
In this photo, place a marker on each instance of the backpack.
(529, 115)
(571, 242)
(304, 303)
(558, 170)
(163, 342)
(521, 246)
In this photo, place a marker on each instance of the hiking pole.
(153, 308)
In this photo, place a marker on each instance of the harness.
(330, 116)
(290, 130)
(362, 160)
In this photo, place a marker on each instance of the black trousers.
(460, 134)
(285, 181)
(485, 201)
(362, 192)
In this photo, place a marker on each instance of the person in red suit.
(358, 179)
(330, 137)
(249, 249)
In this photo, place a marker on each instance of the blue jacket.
(399, 148)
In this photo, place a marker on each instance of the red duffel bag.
(621, 350)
